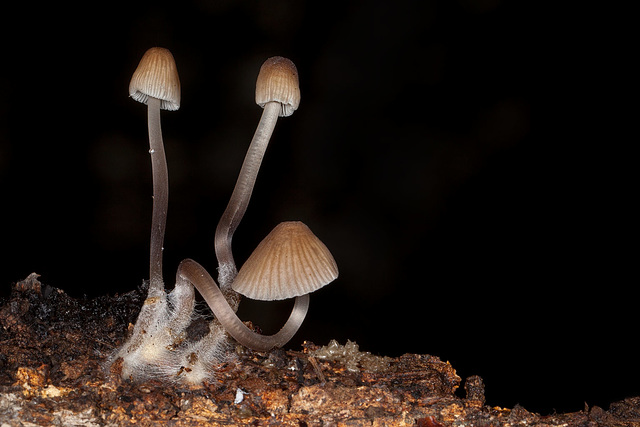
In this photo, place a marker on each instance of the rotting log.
(52, 347)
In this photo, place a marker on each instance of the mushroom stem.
(160, 195)
(204, 283)
(242, 193)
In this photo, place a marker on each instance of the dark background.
(457, 157)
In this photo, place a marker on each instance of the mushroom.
(278, 92)
(290, 262)
(156, 83)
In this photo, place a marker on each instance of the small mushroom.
(156, 83)
(278, 92)
(290, 261)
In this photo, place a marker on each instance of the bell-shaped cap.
(157, 76)
(278, 81)
(289, 262)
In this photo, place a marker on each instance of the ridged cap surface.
(278, 81)
(157, 76)
(289, 262)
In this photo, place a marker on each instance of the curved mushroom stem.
(242, 193)
(202, 280)
(160, 196)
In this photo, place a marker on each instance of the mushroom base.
(168, 342)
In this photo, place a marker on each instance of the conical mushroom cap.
(156, 76)
(289, 262)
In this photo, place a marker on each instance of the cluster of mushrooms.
(290, 262)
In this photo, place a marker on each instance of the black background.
(457, 157)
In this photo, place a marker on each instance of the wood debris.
(52, 347)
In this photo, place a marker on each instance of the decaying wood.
(52, 347)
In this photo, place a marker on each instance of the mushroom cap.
(289, 262)
(156, 76)
(278, 81)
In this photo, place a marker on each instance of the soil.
(52, 348)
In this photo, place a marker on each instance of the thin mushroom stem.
(160, 195)
(242, 193)
(204, 283)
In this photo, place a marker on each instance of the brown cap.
(278, 81)
(157, 76)
(289, 262)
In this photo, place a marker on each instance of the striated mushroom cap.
(156, 76)
(278, 81)
(289, 262)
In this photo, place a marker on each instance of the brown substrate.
(52, 347)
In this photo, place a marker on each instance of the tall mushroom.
(278, 92)
(290, 262)
(156, 83)
(162, 317)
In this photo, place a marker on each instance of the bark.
(52, 348)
